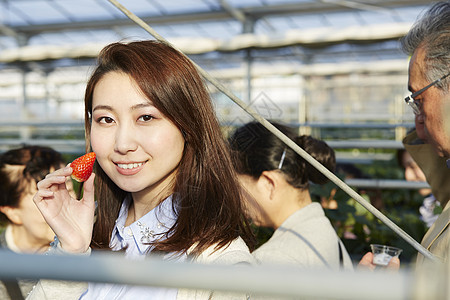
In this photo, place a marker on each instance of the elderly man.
(428, 43)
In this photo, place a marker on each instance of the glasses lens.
(414, 107)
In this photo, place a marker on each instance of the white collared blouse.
(135, 239)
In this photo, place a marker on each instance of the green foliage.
(262, 234)
(358, 228)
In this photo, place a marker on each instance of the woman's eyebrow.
(142, 105)
(105, 107)
(134, 107)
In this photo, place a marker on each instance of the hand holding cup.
(383, 254)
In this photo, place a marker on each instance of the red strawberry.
(82, 167)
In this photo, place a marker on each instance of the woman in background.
(277, 181)
(414, 173)
(26, 230)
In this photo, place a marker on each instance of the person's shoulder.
(310, 212)
(301, 236)
(276, 255)
(287, 246)
(310, 222)
(236, 252)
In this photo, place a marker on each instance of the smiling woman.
(131, 139)
(164, 181)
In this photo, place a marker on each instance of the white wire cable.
(285, 139)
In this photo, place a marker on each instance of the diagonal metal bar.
(394, 227)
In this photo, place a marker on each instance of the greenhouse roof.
(40, 30)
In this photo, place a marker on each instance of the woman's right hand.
(72, 220)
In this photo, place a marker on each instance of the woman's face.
(413, 172)
(31, 219)
(136, 145)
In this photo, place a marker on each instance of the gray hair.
(432, 33)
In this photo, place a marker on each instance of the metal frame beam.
(249, 12)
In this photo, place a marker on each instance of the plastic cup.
(382, 254)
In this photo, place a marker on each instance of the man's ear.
(12, 213)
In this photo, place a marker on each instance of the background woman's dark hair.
(207, 197)
(21, 167)
(255, 149)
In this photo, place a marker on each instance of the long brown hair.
(206, 194)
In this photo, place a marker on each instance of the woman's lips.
(129, 168)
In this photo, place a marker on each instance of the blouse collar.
(151, 227)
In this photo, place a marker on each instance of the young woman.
(26, 231)
(414, 173)
(277, 181)
(164, 181)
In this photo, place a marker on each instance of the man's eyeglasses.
(416, 104)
